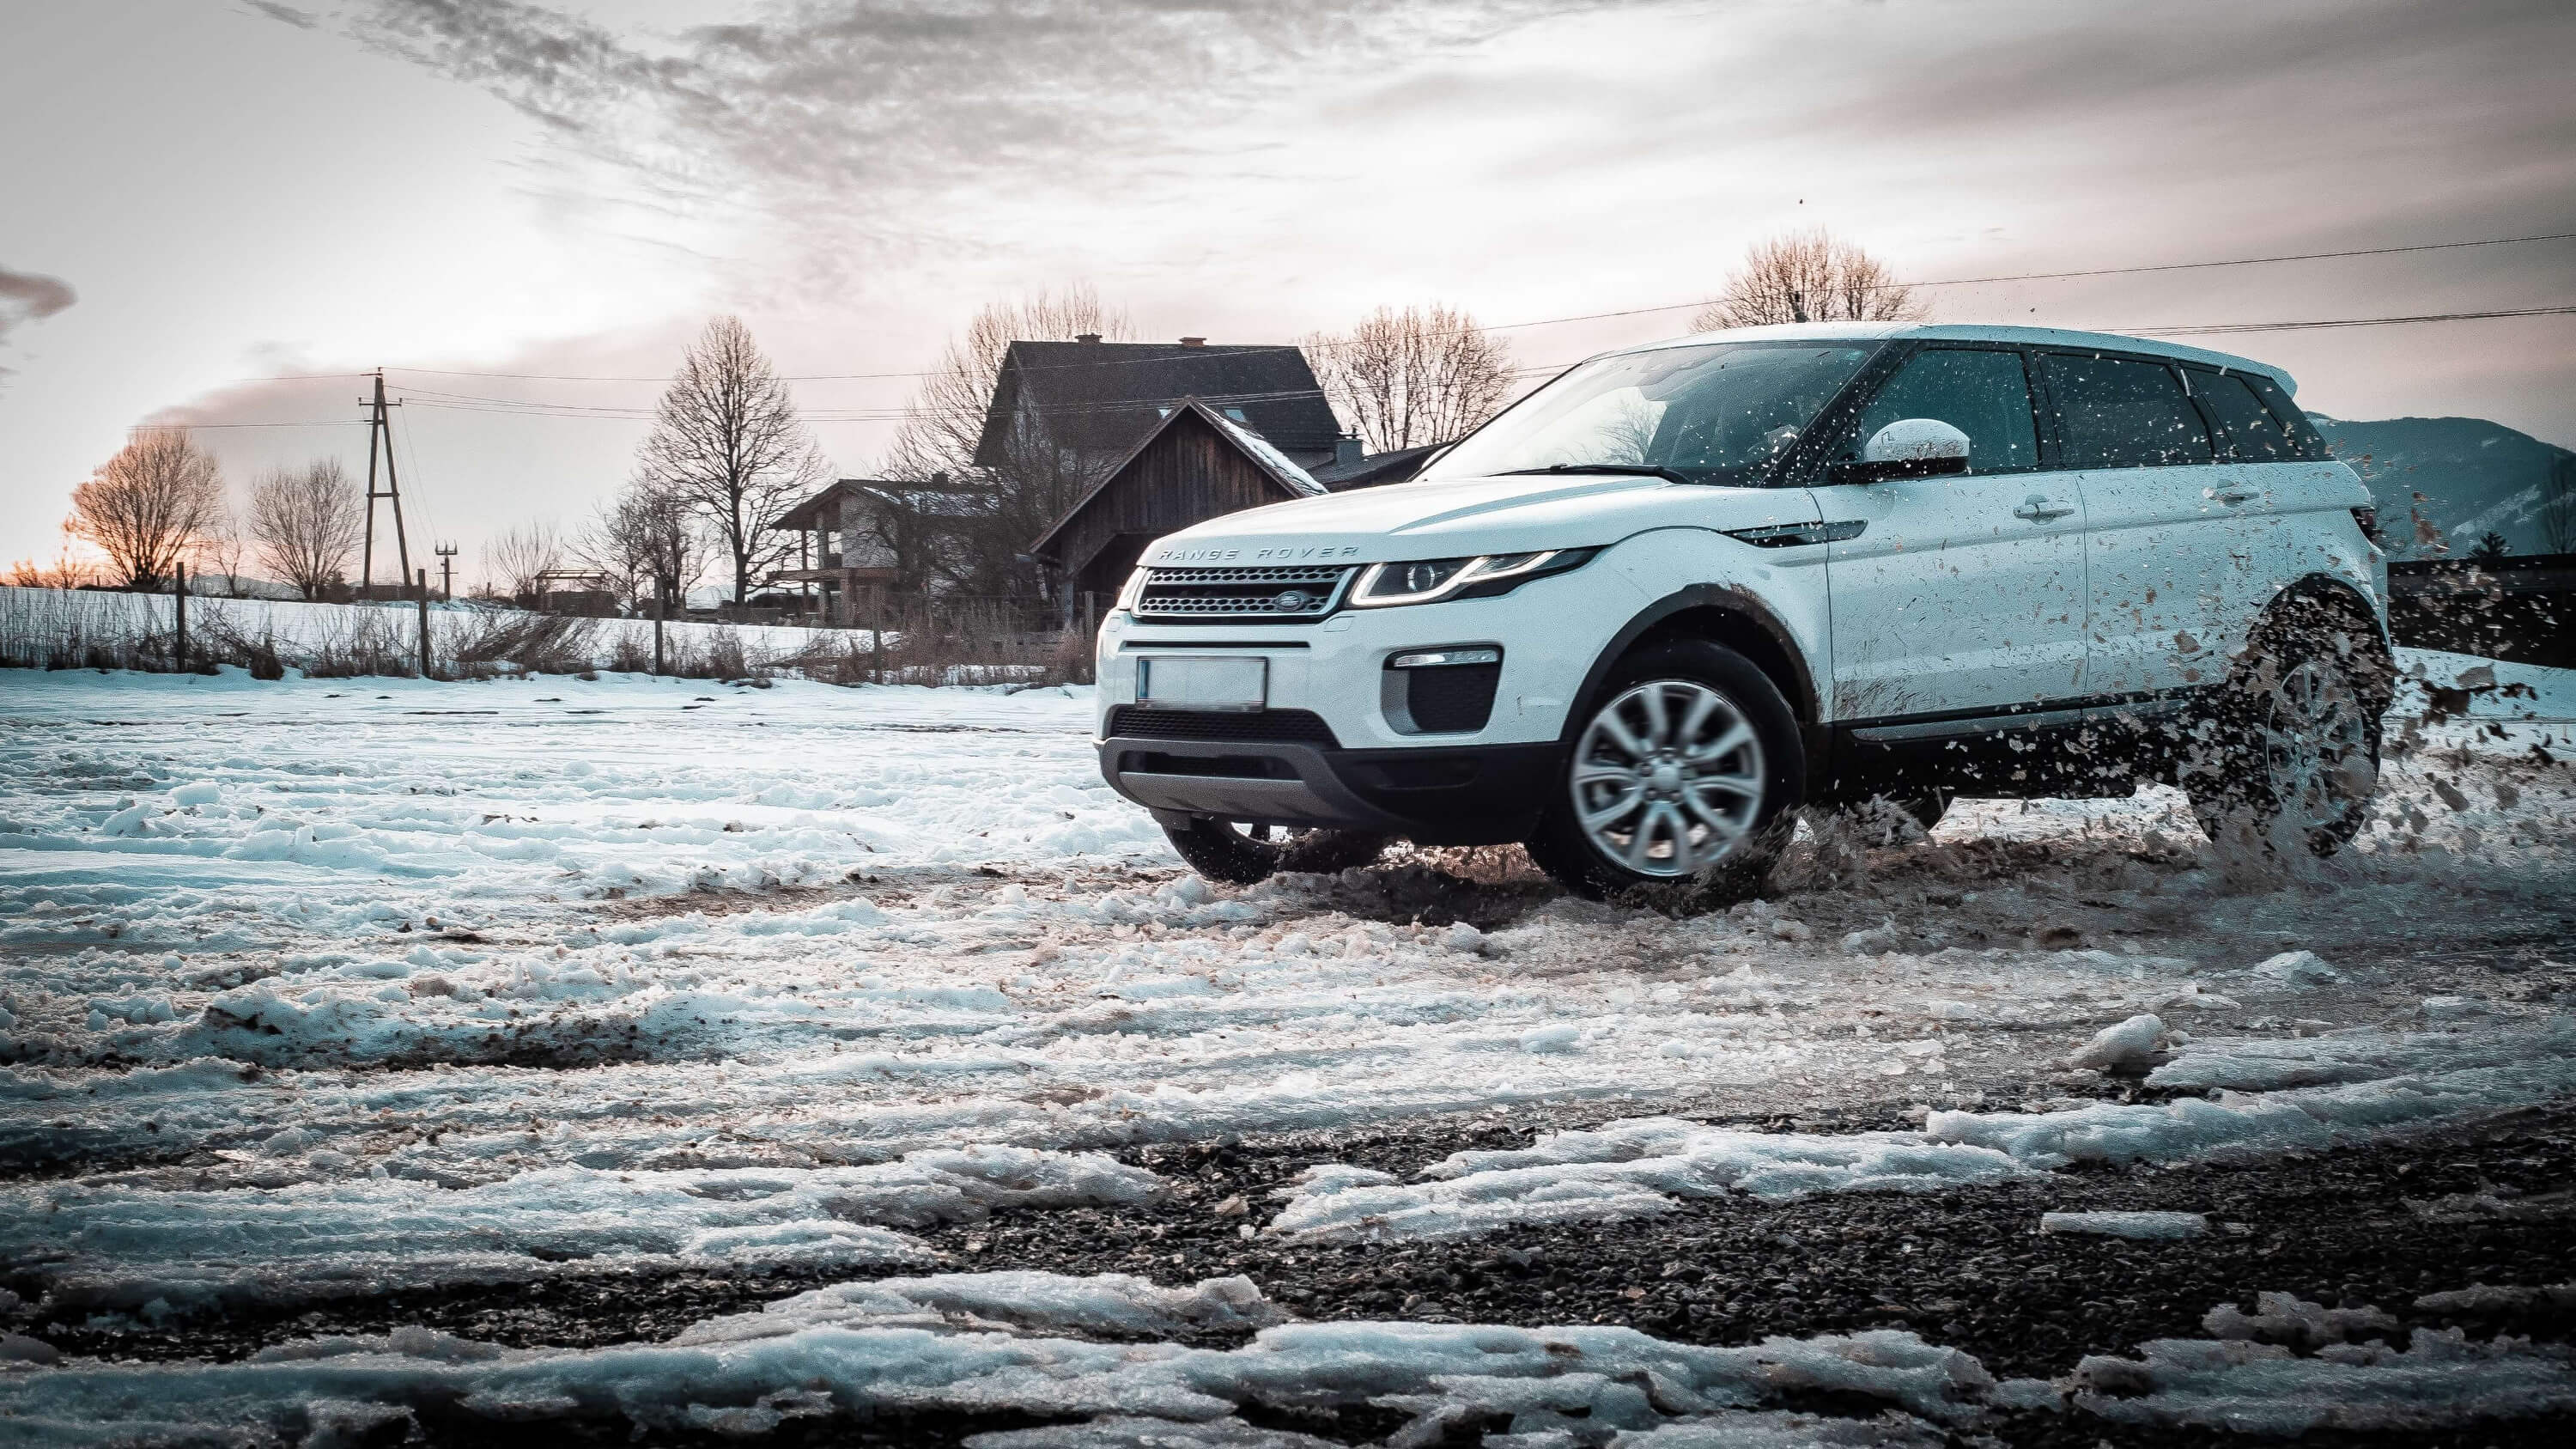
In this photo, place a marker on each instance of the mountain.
(2474, 475)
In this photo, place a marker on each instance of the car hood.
(1508, 514)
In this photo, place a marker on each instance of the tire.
(1708, 804)
(2290, 755)
(1223, 850)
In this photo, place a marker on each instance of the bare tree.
(1404, 379)
(945, 420)
(728, 443)
(513, 559)
(981, 534)
(222, 550)
(650, 542)
(1810, 277)
(306, 525)
(2558, 508)
(67, 571)
(147, 507)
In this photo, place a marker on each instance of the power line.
(192, 427)
(2211, 328)
(1239, 351)
(514, 407)
(526, 408)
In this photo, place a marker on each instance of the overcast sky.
(200, 197)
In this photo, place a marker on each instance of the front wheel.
(1239, 854)
(1684, 776)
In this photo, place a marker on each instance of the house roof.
(1377, 468)
(941, 499)
(1291, 479)
(1098, 397)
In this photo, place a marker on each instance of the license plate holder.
(1191, 681)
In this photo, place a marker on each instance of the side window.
(2304, 439)
(2246, 430)
(2117, 412)
(1982, 393)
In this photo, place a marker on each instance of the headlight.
(1430, 580)
(1128, 591)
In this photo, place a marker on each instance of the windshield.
(1701, 412)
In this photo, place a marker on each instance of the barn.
(1194, 463)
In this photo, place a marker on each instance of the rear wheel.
(1684, 777)
(1240, 854)
(2294, 758)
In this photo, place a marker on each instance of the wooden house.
(1086, 403)
(1195, 463)
(862, 540)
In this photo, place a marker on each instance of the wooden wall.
(1186, 475)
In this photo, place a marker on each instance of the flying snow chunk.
(2297, 970)
(2126, 1225)
(2133, 1045)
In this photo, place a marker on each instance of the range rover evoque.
(1645, 614)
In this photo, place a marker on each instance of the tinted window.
(2116, 413)
(1704, 410)
(1983, 394)
(2245, 430)
(2304, 442)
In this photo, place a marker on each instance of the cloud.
(300, 19)
(29, 297)
(889, 128)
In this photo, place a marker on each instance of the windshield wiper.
(1643, 470)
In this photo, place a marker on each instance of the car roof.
(1972, 332)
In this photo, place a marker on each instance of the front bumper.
(1357, 758)
(1477, 795)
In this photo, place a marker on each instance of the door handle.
(2038, 509)
(2235, 493)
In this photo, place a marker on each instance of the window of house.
(1982, 393)
(2116, 412)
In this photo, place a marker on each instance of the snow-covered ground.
(322, 988)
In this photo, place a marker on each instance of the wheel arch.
(2337, 602)
(1737, 619)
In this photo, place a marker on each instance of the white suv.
(1638, 619)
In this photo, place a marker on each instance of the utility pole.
(420, 598)
(446, 572)
(380, 430)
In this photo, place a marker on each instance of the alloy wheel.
(1667, 778)
(2316, 748)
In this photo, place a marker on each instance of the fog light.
(1434, 658)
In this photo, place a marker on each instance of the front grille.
(1451, 698)
(1288, 594)
(1266, 726)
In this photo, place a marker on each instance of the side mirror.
(1906, 448)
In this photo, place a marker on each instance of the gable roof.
(1098, 397)
(1291, 480)
(938, 499)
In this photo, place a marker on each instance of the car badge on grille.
(1290, 601)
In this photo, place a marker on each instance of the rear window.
(2305, 441)
(2246, 431)
(2117, 412)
